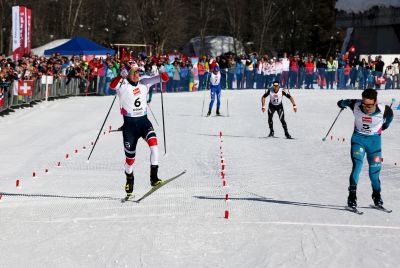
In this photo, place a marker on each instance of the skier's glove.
(341, 104)
(124, 73)
(164, 77)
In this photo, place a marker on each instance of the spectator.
(231, 71)
(285, 71)
(379, 65)
(201, 66)
(330, 73)
(176, 78)
(170, 70)
(239, 73)
(109, 77)
(184, 76)
(396, 68)
(389, 77)
(321, 68)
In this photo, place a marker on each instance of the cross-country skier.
(370, 118)
(132, 92)
(214, 79)
(275, 104)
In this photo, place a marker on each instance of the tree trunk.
(76, 17)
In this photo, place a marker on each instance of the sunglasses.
(367, 105)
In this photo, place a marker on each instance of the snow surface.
(286, 203)
(364, 5)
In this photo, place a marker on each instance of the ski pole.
(324, 139)
(151, 111)
(227, 104)
(163, 121)
(204, 95)
(109, 110)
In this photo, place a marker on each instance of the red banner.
(28, 31)
(22, 21)
(25, 87)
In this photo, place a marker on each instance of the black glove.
(341, 105)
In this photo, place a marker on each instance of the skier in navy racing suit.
(132, 91)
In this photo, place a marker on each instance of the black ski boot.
(154, 180)
(352, 199)
(376, 196)
(287, 135)
(209, 113)
(271, 133)
(218, 113)
(130, 181)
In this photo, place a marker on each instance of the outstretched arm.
(343, 104)
(152, 80)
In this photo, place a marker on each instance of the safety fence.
(25, 93)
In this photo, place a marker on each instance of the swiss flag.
(380, 80)
(1, 98)
(25, 87)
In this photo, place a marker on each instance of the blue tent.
(79, 46)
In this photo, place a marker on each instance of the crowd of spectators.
(237, 71)
(303, 72)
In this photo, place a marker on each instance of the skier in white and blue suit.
(371, 119)
(214, 79)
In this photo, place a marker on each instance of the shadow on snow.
(259, 198)
(60, 196)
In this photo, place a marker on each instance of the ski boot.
(352, 199)
(287, 135)
(376, 196)
(209, 113)
(218, 113)
(271, 133)
(154, 180)
(130, 180)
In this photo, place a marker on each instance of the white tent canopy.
(214, 46)
(39, 51)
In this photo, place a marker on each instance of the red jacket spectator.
(309, 67)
